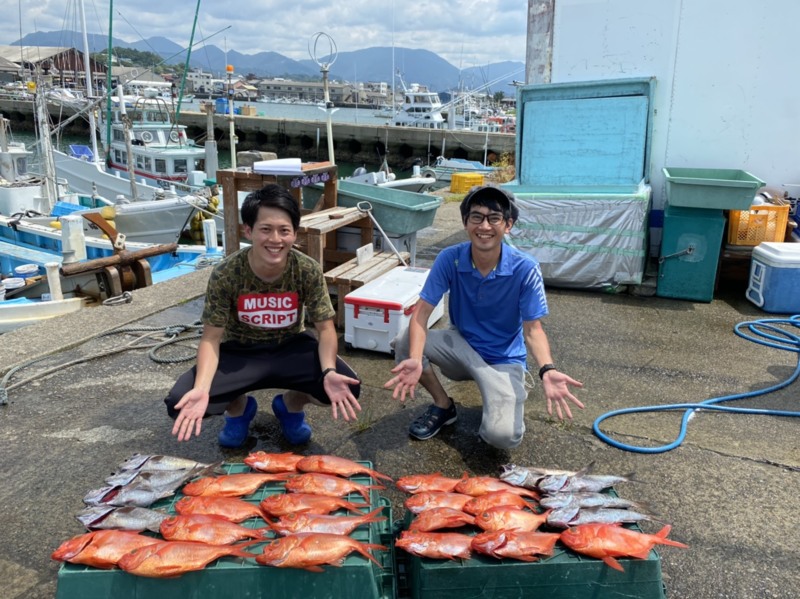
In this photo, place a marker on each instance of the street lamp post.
(231, 123)
(324, 68)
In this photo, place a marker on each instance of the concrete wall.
(727, 92)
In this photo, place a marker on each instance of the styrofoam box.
(775, 277)
(376, 312)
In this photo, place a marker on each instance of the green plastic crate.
(231, 578)
(563, 575)
(724, 189)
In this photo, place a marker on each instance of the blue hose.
(764, 332)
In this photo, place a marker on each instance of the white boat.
(420, 108)
(384, 177)
(443, 169)
(66, 271)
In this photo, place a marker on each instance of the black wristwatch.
(325, 373)
(546, 368)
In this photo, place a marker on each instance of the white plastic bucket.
(26, 270)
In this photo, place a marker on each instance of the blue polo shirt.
(489, 311)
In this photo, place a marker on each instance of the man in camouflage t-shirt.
(254, 335)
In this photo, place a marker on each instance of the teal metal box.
(721, 189)
(690, 247)
(230, 578)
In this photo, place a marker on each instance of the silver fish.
(590, 499)
(572, 516)
(106, 517)
(581, 482)
(158, 462)
(529, 476)
(158, 478)
(143, 490)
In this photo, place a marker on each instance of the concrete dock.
(730, 490)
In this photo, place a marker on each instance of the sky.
(466, 33)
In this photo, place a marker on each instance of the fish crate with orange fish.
(563, 574)
(234, 577)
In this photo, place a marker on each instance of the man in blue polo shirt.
(497, 301)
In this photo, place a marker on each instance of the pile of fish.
(293, 511)
(207, 523)
(509, 511)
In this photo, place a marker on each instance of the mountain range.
(368, 64)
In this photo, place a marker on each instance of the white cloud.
(466, 33)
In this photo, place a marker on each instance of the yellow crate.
(760, 223)
(463, 182)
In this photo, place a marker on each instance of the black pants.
(293, 364)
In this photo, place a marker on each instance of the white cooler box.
(376, 312)
(775, 277)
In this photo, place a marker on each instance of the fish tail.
(376, 474)
(375, 515)
(240, 546)
(663, 540)
(363, 550)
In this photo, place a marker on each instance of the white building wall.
(727, 83)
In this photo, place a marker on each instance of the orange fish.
(480, 485)
(505, 517)
(310, 550)
(232, 509)
(231, 485)
(339, 525)
(481, 503)
(329, 464)
(213, 530)
(169, 559)
(273, 462)
(423, 483)
(327, 484)
(287, 503)
(610, 541)
(524, 546)
(101, 548)
(424, 501)
(438, 518)
(436, 545)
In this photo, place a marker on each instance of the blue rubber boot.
(236, 428)
(293, 424)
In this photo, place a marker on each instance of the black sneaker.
(432, 421)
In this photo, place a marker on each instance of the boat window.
(118, 135)
(141, 162)
(180, 166)
(161, 166)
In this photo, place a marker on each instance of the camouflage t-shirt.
(253, 311)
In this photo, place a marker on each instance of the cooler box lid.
(584, 134)
(778, 254)
(398, 289)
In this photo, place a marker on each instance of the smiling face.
(272, 236)
(485, 236)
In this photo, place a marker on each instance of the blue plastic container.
(775, 277)
(221, 106)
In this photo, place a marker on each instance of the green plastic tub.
(231, 578)
(709, 188)
(397, 212)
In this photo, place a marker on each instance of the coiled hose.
(764, 332)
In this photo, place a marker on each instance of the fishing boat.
(442, 170)
(420, 108)
(59, 271)
(384, 177)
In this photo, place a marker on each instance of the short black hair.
(493, 198)
(271, 195)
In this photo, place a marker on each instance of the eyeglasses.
(477, 218)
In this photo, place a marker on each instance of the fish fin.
(613, 563)
(587, 469)
(315, 568)
(526, 558)
(641, 554)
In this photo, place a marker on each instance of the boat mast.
(186, 66)
(43, 119)
(89, 90)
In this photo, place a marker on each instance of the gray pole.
(539, 54)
